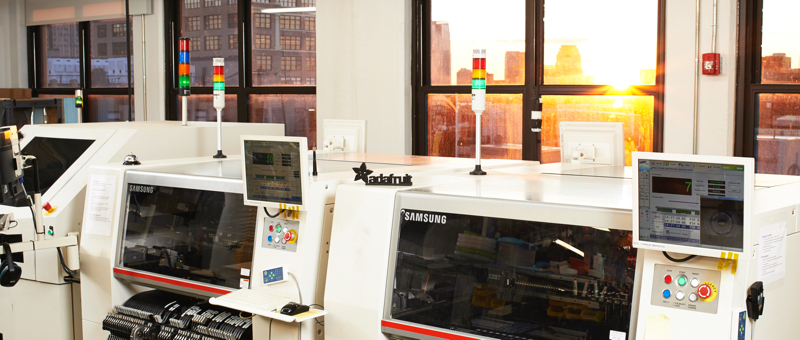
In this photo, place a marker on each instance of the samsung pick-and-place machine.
(682, 247)
(186, 248)
(65, 153)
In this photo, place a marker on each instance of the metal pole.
(219, 131)
(184, 110)
(144, 72)
(128, 52)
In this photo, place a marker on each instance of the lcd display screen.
(692, 204)
(272, 171)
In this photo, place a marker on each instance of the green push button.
(278, 228)
(682, 281)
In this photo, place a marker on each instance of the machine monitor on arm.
(692, 204)
(275, 171)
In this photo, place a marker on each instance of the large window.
(768, 127)
(91, 56)
(270, 61)
(557, 62)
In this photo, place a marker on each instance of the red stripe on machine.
(424, 331)
(172, 281)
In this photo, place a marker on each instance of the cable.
(678, 260)
(298, 287)
(270, 328)
(273, 216)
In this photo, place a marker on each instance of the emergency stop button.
(707, 291)
(290, 236)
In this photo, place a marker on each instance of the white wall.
(363, 72)
(717, 97)
(13, 45)
(363, 69)
(156, 65)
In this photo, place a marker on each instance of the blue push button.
(667, 293)
(269, 238)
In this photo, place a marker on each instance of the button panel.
(280, 234)
(686, 288)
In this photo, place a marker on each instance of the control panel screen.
(272, 171)
(692, 204)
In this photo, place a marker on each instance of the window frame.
(748, 80)
(533, 88)
(246, 57)
(85, 35)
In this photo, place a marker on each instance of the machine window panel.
(55, 156)
(780, 38)
(451, 126)
(578, 54)
(452, 36)
(208, 28)
(510, 279)
(60, 51)
(109, 71)
(297, 112)
(197, 235)
(777, 134)
(635, 112)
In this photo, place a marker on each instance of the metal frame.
(245, 87)
(534, 87)
(36, 61)
(749, 84)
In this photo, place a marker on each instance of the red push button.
(288, 236)
(271, 227)
(668, 279)
(704, 291)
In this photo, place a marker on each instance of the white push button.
(680, 295)
(695, 282)
(692, 297)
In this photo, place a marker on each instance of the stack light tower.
(478, 101)
(219, 100)
(184, 75)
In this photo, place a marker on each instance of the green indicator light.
(478, 84)
(183, 82)
(278, 229)
(219, 86)
(682, 281)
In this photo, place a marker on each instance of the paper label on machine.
(772, 253)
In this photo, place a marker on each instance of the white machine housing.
(308, 262)
(43, 294)
(592, 143)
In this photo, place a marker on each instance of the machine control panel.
(280, 234)
(686, 288)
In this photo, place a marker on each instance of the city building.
(440, 53)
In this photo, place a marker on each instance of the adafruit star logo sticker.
(362, 173)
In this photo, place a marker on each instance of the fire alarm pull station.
(711, 63)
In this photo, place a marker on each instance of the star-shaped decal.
(362, 173)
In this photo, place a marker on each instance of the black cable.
(270, 325)
(273, 216)
(678, 260)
